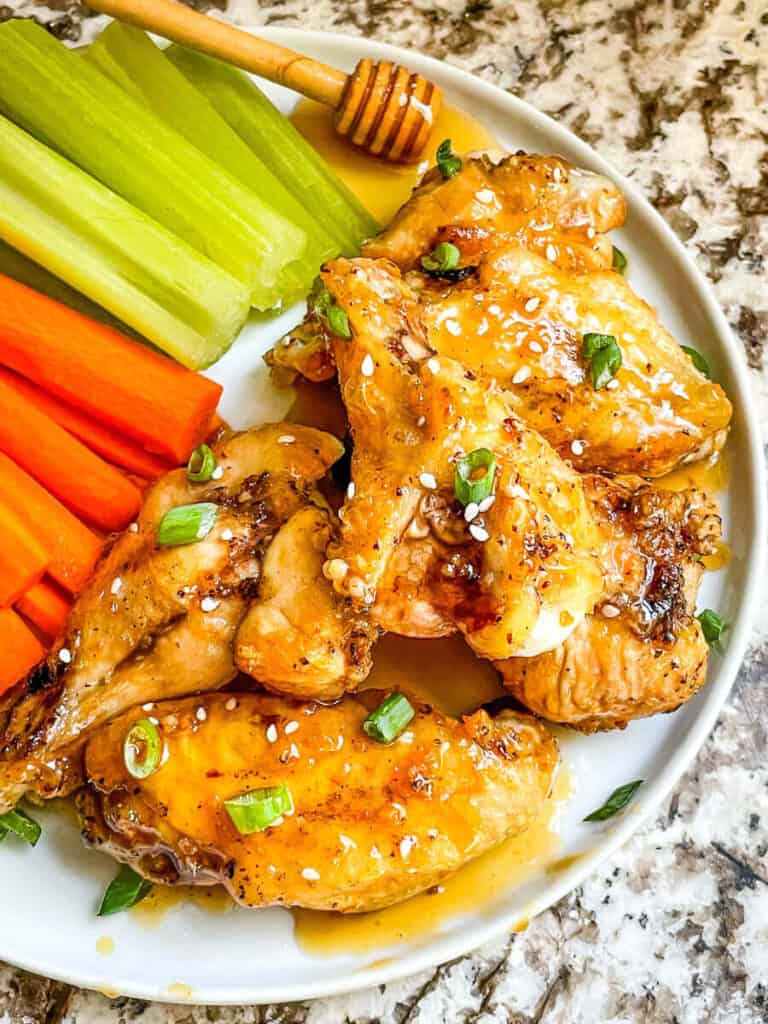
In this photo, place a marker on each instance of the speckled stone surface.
(674, 928)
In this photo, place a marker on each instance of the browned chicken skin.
(372, 824)
(642, 651)
(159, 622)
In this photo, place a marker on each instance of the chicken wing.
(299, 636)
(642, 651)
(159, 621)
(520, 573)
(371, 824)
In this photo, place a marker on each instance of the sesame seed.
(471, 510)
(375, 853)
(133, 528)
(610, 611)
(612, 384)
(532, 305)
(116, 587)
(201, 714)
(522, 374)
(351, 490)
(347, 843)
(272, 732)
(407, 843)
(209, 604)
(65, 655)
(590, 232)
(421, 421)
(486, 503)
(227, 535)
(347, 769)
(577, 447)
(433, 833)
(147, 707)
(291, 727)
(433, 365)
(335, 569)
(494, 308)
(311, 875)
(294, 751)
(485, 195)
(231, 704)
(551, 253)
(479, 533)
(368, 367)
(153, 720)
(453, 327)
(286, 439)
(218, 473)
(534, 346)
(428, 480)
(557, 174)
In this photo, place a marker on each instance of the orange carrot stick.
(87, 485)
(46, 606)
(20, 650)
(23, 559)
(104, 440)
(73, 549)
(140, 393)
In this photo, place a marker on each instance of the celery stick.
(70, 105)
(139, 67)
(99, 244)
(282, 148)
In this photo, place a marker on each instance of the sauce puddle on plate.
(380, 186)
(161, 899)
(474, 887)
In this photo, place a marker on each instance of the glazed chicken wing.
(371, 823)
(159, 621)
(520, 572)
(642, 651)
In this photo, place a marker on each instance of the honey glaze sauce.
(711, 476)
(383, 187)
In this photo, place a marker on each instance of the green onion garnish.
(712, 626)
(445, 256)
(473, 479)
(186, 524)
(142, 749)
(201, 465)
(21, 825)
(259, 808)
(124, 891)
(333, 316)
(389, 719)
(603, 354)
(616, 802)
(698, 360)
(448, 162)
(619, 261)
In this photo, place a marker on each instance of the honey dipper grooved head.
(388, 111)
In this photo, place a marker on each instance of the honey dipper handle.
(199, 32)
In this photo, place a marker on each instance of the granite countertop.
(674, 928)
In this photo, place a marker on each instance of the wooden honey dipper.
(381, 106)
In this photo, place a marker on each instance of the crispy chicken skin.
(299, 636)
(158, 622)
(372, 824)
(522, 574)
(642, 651)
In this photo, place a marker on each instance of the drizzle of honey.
(383, 187)
(180, 990)
(473, 888)
(708, 475)
(105, 946)
(163, 898)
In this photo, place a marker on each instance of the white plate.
(49, 894)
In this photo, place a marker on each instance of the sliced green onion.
(333, 316)
(21, 825)
(445, 256)
(259, 808)
(201, 465)
(620, 261)
(448, 162)
(616, 802)
(124, 891)
(698, 360)
(603, 354)
(389, 719)
(473, 479)
(712, 626)
(142, 749)
(186, 523)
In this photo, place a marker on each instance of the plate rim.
(493, 924)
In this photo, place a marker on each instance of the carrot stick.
(99, 438)
(146, 396)
(20, 650)
(72, 548)
(87, 485)
(23, 559)
(46, 606)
